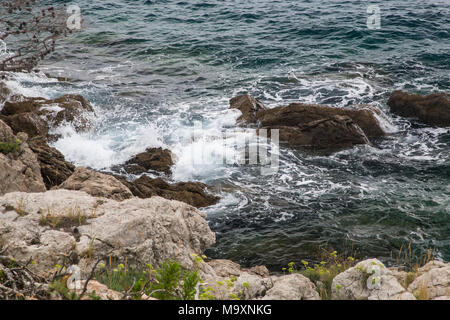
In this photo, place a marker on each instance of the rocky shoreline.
(55, 214)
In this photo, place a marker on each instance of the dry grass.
(73, 218)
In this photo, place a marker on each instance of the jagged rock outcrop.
(313, 126)
(433, 109)
(352, 284)
(193, 193)
(96, 184)
(36, 116)
(432, 281)
(52, 227)
(19, 167)
(157, 159)
(54, 168)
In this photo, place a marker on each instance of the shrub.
(323, 273)
(9, 147)
(168, 282)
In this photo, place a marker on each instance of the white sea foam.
(100, 151)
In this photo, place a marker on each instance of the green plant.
(74, 217)
(9, 147)
(323, 273)
(59, 287)
(168, 282)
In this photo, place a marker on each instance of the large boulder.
(314, 126)
(36, 116)
(433, 109)
(292, 287)
(157, 159)
(337, 132)
(96, 184)
(193, 193)
(432, 282)
(19, 167)
(368, 280)
(54, 168)
(66, 227)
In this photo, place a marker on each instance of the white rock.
(150, 230)
(434, 278)
(355, 283)
(292, 287)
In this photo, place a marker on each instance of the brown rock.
(96, 184)
(248, 106)
(192, 193)
(36, 115)
(152, 159)
(297, 114)
(19, 169)
(433, 109)
(54, 168)
(326, 134)
(314, 127)
(30, 123)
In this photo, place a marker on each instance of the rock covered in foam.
(36, 116)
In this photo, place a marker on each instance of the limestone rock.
(352, 284)
(227, 279)
(139, 230)
(96, 184)
(292, 287)
(19, 170)
(100, 290)
(433, 281)
(433, 109)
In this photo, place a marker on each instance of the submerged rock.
(96, 184)
(137, 231)
(54, 168)
(433, 109)
(36, 116)
(19, 167)
(157, 159)
(193, 193)
(313, 126)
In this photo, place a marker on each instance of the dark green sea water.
(153, 68)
